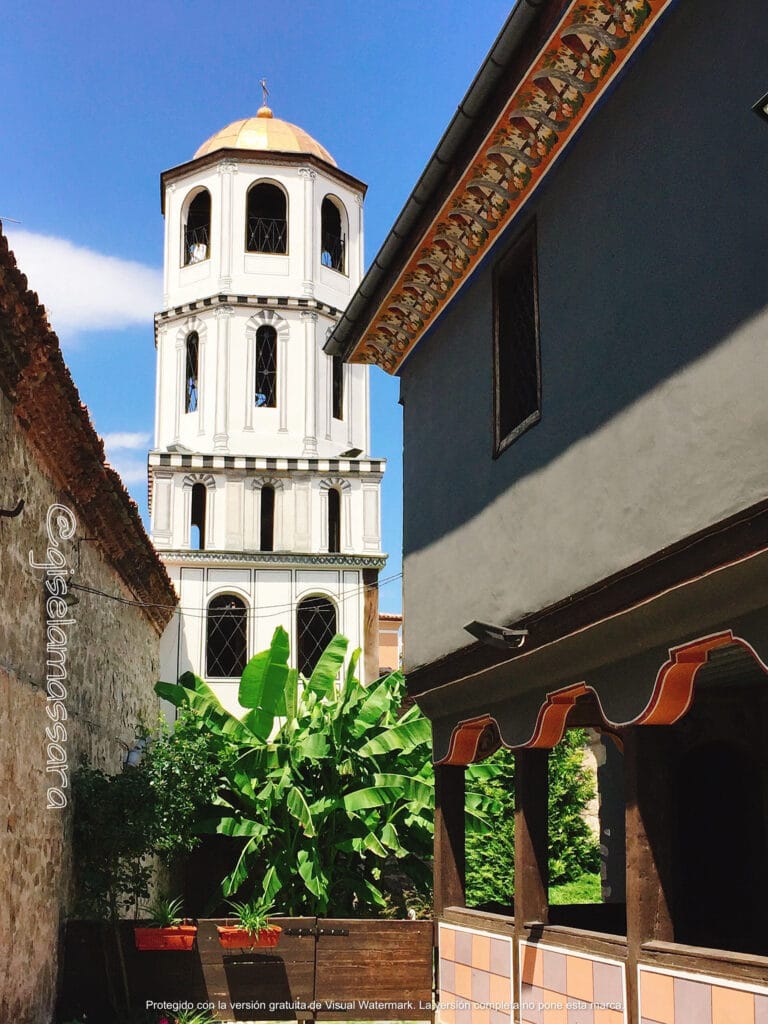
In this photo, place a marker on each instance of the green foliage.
(252, 916)
(113, 823)
(184, 766)
(573, 850)
(165, 913)
(122, 820)
(327, 787)
(586, 889)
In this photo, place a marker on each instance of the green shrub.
(573, 850)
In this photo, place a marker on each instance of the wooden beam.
(449, 837)
(371, 624)
(531, 838)
(650, 831)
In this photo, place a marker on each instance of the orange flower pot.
(179, 937)
(234, 937)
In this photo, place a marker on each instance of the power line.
(252, 612)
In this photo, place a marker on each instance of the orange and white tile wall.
(668, 997)
(475, 977)
(559, 986)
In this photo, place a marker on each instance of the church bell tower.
(264, 498)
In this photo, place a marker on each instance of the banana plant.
(329, 788)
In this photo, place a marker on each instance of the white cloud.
(84, 290)
(132, 470)
(126, 439)
(120, 446)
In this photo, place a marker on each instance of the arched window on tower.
(338, 387)
(226, 637)
(267, 540)
(197, 229)
(265, 385)
(191, 372)
(315, 628)
(267, 221)
(332, 242)
(197, 523)
(334, 520)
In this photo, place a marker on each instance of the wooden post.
(650, 828)
(449, 837)
(371, 625)
(531, 837)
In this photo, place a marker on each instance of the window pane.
(267, 228)
(316, 627)
(226, 648)
(266, 367)
(518, 385)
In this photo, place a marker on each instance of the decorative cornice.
(217, 302)
(582, 59)
(257, 464)
(275, 558)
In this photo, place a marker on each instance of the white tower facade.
(265, 502)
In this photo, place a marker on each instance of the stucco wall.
(652, 239)
(112, 663)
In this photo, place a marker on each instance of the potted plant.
(253, 928)
(167, 929)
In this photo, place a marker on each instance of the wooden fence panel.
(374, 970)
(320, 970)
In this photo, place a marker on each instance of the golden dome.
(265, 132)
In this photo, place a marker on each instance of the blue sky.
(97, 99)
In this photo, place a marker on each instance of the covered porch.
(676, 685)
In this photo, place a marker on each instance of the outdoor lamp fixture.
(497, 636)
(134, 754)
(351, 453)
(761, 107)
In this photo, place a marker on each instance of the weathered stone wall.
(111, 662)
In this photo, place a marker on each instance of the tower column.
(223, 321)
(310, 388)
(309, 176)
(226, 170)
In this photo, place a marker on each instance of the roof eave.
(474, 114)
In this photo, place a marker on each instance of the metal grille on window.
(266, 367)
(197, 229)
(226, 637)
(190, 396)
(518, 385)
(331, 237)
(267, 230)
(315, 627)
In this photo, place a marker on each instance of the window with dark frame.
(267, 538)
(190, 376)
(197, 525)
(315, 628)
(265, 385)
(266, 219)
(517, 370)
(332, 242)
(197, 229)
(338, 387)
(334, 520)
(226, 637)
